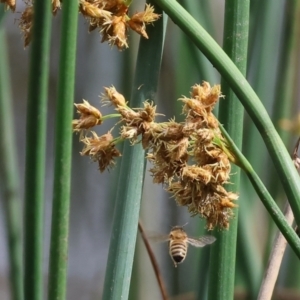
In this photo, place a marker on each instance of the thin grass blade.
(9, 174)
(35, 149)
(223, 254)
(63, 154)
(129, 190)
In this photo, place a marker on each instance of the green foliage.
(238, 252)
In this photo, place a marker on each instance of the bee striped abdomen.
(178, 251)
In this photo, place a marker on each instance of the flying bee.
(178, 243)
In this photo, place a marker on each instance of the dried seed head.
(207, 95)
(26, 24)
(112, 96)
(9, 4)
(190, 157)
(113, 21)
(139, 20)
(148, 113)
(196, 173)
(202, 101)
(141, 118)
(101, 149)
(114, 31)
(94, 145)
(89, 116)
(94, 11)
(130, 133)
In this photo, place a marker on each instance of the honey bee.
(178, 243)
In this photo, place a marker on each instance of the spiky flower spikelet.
(25, 23)
(113, 21)
(110, 17)
(101, 149)
(89, 116)
(184, 156)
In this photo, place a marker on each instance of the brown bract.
(113, 22)
(94, 11)
(101, 149)
(114, 31)
(111, 96)
(89, 116)
(25, 24)
(139, 20)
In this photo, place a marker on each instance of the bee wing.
(158, 237)
(202, 241)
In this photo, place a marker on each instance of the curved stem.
(265, 197)
(231, 114)
(246, 95)
(154, 263)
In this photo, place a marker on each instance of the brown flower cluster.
(185, 156)
(111, 18)
(26, 20)
(9, 4)
(25, 24)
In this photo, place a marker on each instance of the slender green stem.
(265, 197)
(10, 175)
(287, 89)
(223, 254)
(63, 154)
(110, 117)
(127, 207)
(246, 95)
(35, 149)
(262, 73)
(248, 257)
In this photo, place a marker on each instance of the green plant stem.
(35, 149)
(110, 116)
(10, 175)
(262, 72)
(265, 197)
(246, 95)
(223, 254)
(249, 258)
(63, 153)
(286, 90)
(129, 190)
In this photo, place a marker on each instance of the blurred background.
(273, 57)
